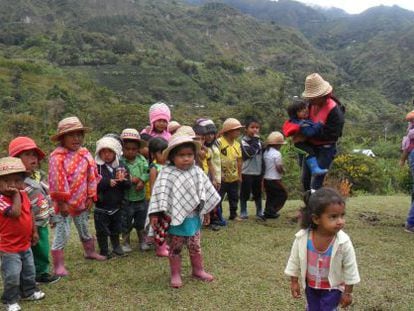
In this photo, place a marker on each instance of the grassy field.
(247, 259)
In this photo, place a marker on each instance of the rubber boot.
(313, 165)
(143, 246)
(198, 269)
(116, 245)
(58, 262)
(162, 250)
(175, 266)
(103, 244)
(90, 253)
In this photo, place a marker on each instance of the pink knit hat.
(159, 111)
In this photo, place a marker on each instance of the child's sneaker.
(409, 229)
(126, 248)
(13, 307)
(47, 279)
(37, 295)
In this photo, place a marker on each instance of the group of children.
(170, 179)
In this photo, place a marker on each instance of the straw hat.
(173, 126)
(109, 143)
(231, 124)
(186, 130)
(130, 134)
(179, 139)
(22, 143)
(11, 165)
(410, 116)
(316, 86)
(275, 138)
(67, 125)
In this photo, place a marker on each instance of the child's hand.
(134, 180)
(9, 191)
(63, 208)
(153, 221)
(295, 289)
(113, 182)
(346, 300)
(140, 185)
(35, 238)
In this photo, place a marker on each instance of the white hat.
(109, 143)
(316, 86)
(275, 138)
(179, 139)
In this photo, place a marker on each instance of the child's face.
(160, 125)
(30, 159)
(331, 220)
(234, 134)
(209, 138)
(10, 183)
(131, 149)
(200, 139)
(107, 155)
(73, 140)
(303, 113)
(253, 129)
(184, 158)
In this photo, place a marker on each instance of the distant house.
(367, 152)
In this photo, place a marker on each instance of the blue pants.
(324, 155)
(410, 217)
(322, 299)
(18, 273)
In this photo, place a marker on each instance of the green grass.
(247, 259)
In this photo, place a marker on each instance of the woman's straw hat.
(23, 143)
(275, 138)
(179, 139)
(185, 130)
(316, 86)
(231, 124)
(67, 125)
(11, 165)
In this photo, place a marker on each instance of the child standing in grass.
(37, 188)
(111, 191)
(159, 116)
(231, 163)
(73, 181)
(251, 147)
(135, 209)
(185, 194)
(322, 255)
(17, 234)
(276, 194)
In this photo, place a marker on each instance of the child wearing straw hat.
(276, 194)
(231, 163)
(111, 191)
(185, 194)
(73, 181)
(37, 189)
(17, 233)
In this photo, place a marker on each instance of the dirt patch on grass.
(374, 219)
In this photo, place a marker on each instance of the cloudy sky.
(360, 5)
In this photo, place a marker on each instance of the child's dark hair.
(156, 144)
(294, 107)
(249, 120)
(316, 203)
(177, 149)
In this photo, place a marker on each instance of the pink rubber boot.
(175, 266)
(198, 270)
(90, 253)
(162, 250)
(58, 262)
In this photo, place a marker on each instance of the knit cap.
(109, 143)
(204, 127)
(159, 111)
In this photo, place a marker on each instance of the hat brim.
(167, 151)
(237, 127)
(322, 93)
(56, 137)
(5, 173)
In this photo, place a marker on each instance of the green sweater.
(137, 168)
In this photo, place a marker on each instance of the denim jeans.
(325, 155)
(410, 217)
(18, 273)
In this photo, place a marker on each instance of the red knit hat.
(22, 143)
